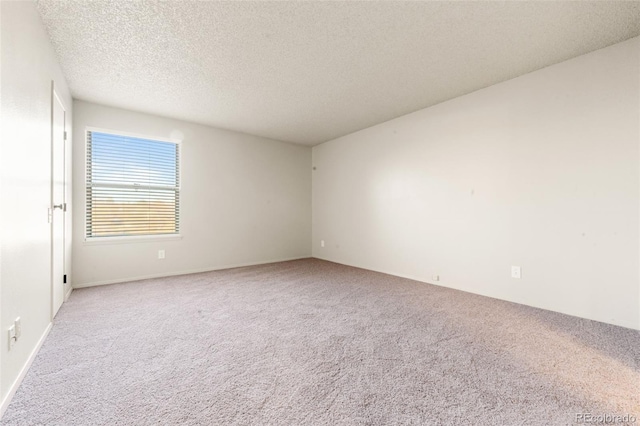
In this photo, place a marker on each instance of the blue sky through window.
(128, 160)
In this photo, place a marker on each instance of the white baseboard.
(187, 272)
(68, 294)
(16, 384)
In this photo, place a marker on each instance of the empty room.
(319, 212)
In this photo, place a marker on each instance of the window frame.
(130, 238)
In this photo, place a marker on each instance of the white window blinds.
(133, 186)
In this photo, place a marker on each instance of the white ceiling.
(308, 72)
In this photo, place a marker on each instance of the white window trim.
(128, 238)
(132, 239)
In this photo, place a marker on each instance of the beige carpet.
(315, 343)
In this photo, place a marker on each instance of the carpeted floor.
(315, 343)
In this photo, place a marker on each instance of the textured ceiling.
(307, 72)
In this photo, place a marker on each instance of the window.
(133, 186)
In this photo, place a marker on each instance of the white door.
(58, 203)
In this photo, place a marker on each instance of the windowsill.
(132, 239)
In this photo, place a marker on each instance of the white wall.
(542, 171)
(28, 66)
(244, 200)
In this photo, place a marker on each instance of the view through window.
(133, 186)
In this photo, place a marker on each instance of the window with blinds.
(133, 186)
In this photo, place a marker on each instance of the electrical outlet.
(160, 254)
(18, 324)
(321, 243)
(12, 336)
(516, 272)
(435, 277)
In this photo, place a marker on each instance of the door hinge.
(65, 135)
(64, 279)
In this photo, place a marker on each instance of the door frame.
(55, 97)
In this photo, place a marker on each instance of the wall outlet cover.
(18, 325)
(12, 336)
(516, 272)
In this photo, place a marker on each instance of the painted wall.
(541, 172)
(244, 200)
(28, 66)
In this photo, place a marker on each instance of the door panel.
(58, 203)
